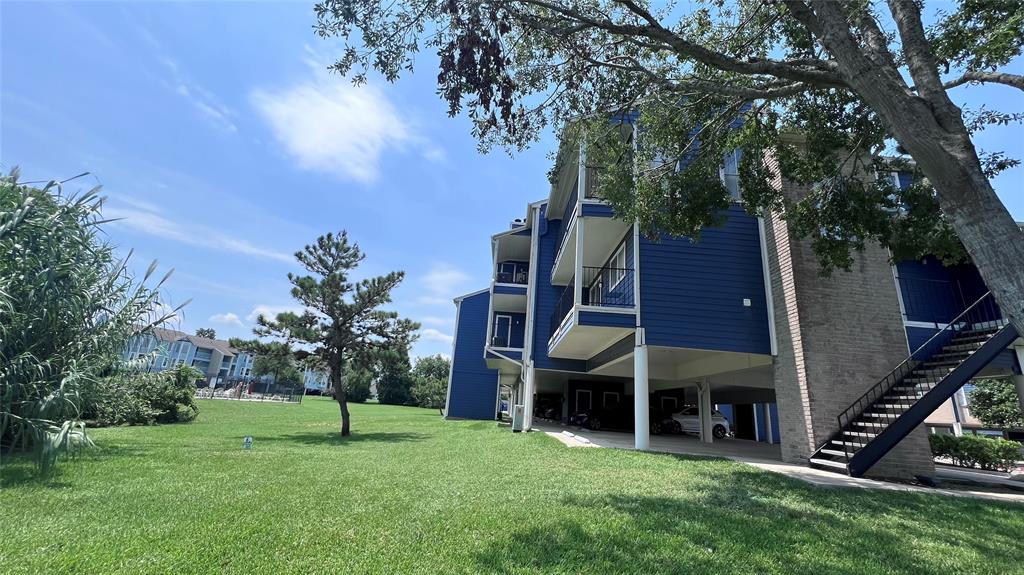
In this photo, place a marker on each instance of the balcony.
(518, 277)
(606, 313)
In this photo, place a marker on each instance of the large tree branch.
(821, 73)
(1014, 80)
(916, 50)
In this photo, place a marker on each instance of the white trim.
(531, 289)
(496, 284)
(899, 292)
(636, 271)
(768, 294)
(589, 393)
(926, 325)
(471, 294)
(561, 244)
(607, 309)
(508, 336)
(577, 295)
(604, 398)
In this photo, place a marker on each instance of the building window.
(730, 174)
(618, 265)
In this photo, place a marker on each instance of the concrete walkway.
(760, 455)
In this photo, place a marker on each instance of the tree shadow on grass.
(335, 438)
(19, 469)
(752, 521)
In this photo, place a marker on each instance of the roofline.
(458, 299)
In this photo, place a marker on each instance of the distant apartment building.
(163, 348)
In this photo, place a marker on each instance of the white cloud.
(226, 319)
(441, 284)
(436, 320)
(143, 218)
(270, 311)
(215, 112)
(431, 334)
(329, 125)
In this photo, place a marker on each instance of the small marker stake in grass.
(247, 442)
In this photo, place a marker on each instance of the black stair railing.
(983, 313)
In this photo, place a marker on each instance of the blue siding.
(773, 408)
(933, 292)
(598, 210)
(918, 336)
(691, 294)
(474, 387)
(546, 297)
(607, 319)
(510, 290)
(518, 329)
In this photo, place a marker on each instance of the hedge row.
(976, 451)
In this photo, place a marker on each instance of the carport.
(729, 448)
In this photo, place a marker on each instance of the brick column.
(837, 337)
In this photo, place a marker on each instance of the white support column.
(578, 274)
(704, 408)
(641, 394)
(769, 435)
(528, 387)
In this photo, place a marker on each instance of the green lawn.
(410, 493)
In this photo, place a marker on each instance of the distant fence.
(249, 389)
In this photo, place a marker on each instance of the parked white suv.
(689, 420)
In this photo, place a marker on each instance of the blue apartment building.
(162, 348)
(585, 313)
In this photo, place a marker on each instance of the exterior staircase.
(901, 401)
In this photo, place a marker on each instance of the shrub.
(991, 453)
(142, 398)
(68, 304)
(427, 392)
(358, 382)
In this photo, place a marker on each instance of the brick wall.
(837, 337)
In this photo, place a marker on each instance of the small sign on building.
(247, 442)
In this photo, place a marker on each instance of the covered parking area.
(703, 385)
(730, 448)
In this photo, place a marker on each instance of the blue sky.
(220, 139)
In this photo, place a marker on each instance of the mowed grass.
(411, 493)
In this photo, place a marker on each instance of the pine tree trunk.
(341, 395)
(345, 418)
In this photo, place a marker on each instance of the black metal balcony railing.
(602, 287)
(501, 341)
(516, 277)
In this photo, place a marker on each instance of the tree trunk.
(342, 397)
(930, 127)
(343, 404)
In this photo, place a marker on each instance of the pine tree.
(342, 320)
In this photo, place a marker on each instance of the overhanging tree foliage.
(855, 79)
(342, 320)
(207, 332)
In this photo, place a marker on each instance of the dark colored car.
(621, 419)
